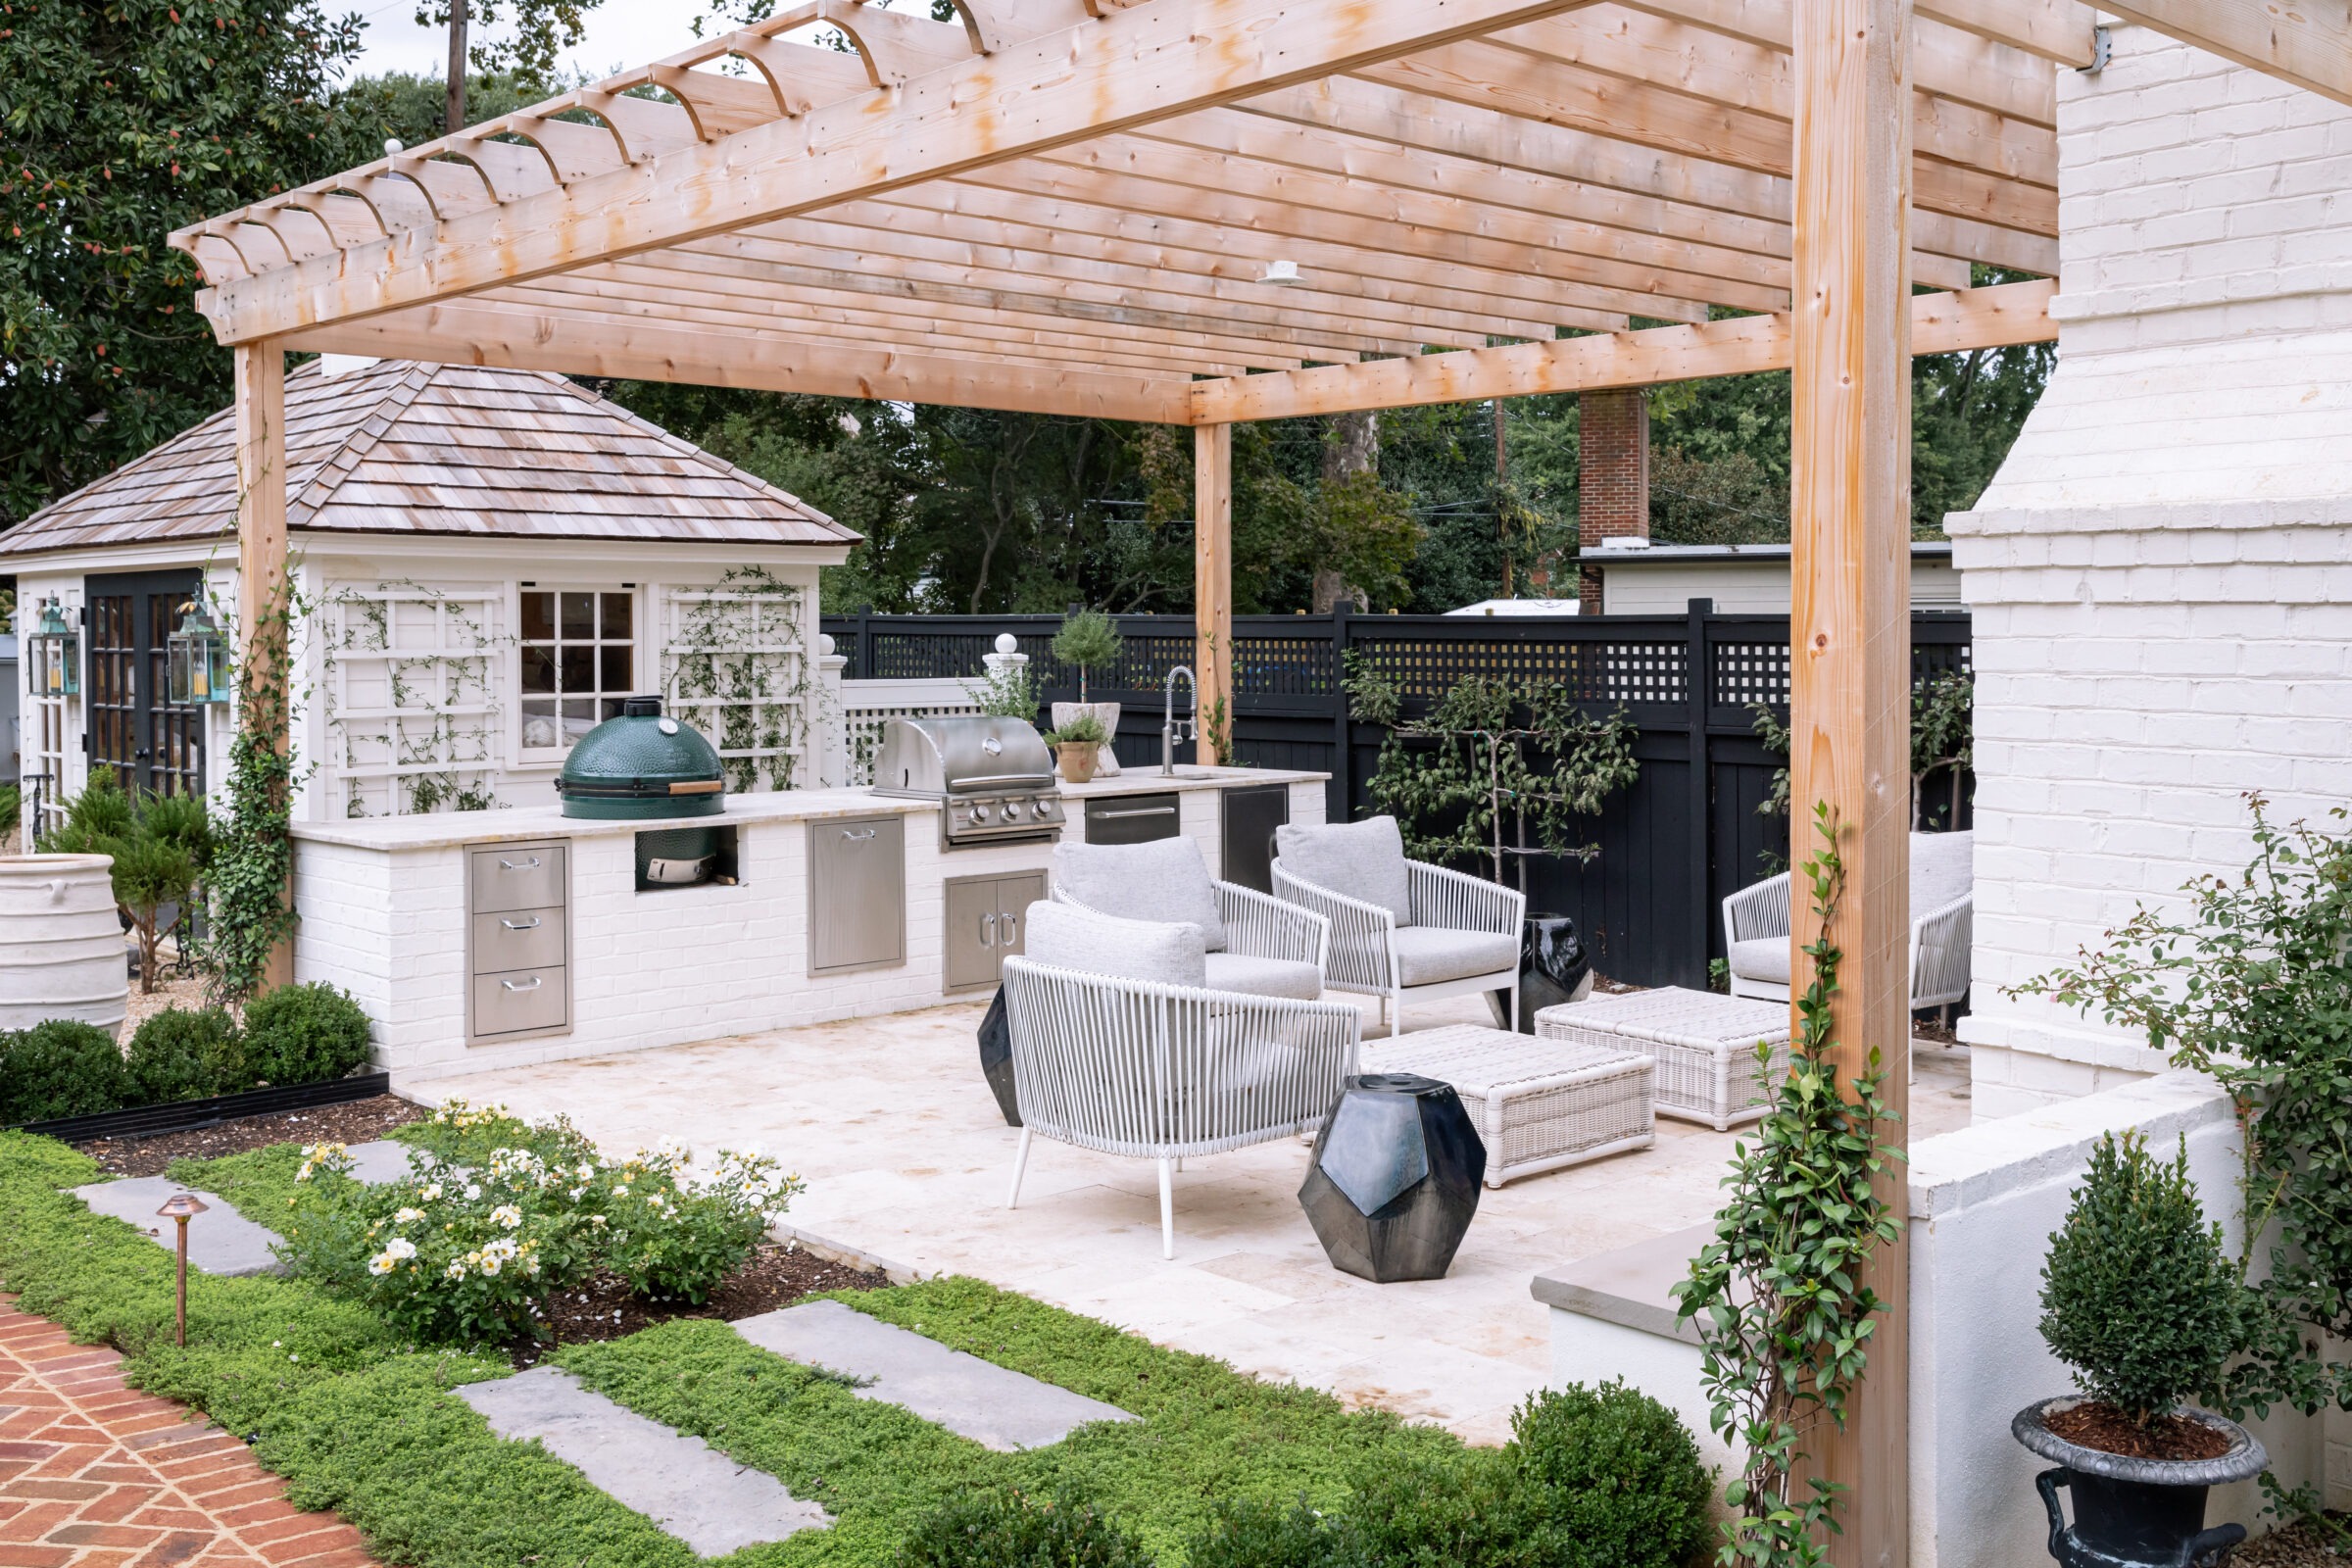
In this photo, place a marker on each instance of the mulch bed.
(778, 1275)
(2297, 1546)
(2097, 1425)
(356, 1121)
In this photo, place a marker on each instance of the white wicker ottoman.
(1538, 1104)
(1705, 1046)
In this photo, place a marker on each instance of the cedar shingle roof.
(439, 449)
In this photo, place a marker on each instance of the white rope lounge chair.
(1400, 928)
(1755, 925)
(1257, 945)
(1130, 1065)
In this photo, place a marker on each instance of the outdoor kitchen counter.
(399, 911)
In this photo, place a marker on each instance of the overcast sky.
(619, 33)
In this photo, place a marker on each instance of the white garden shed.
(487, 560)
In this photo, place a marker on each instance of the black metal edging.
(186, 1115)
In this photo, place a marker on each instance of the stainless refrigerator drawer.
(1131, 819)
(856, 894)
(517, 938)
(527, 876)
(521, 1000)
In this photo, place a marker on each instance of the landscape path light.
(181, 1208)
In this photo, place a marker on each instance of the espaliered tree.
(119, 120)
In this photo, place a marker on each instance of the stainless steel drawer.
(1131, 819)
(521, 999)
(526, 876)
(517, 938)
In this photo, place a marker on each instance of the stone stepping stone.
(682, 1483)
(222, 1240)
(993, 1406)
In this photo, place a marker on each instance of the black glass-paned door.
(134, 727)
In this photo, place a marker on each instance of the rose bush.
(497, 1214)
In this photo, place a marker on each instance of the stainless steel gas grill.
(993, 777)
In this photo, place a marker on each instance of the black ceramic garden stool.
(2136, 1513)
(1394, 1178)
(995, 1059)
(1553, 970)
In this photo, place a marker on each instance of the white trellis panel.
(415, 712)
(868, 705)
(735, 666)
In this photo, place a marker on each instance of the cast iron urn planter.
(1554, 969)
(2135, 1513)
(1394, 1178)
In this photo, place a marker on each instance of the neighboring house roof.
(1624, 555)
(402, 447)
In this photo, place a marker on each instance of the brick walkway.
(96, 1475)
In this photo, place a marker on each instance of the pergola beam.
(541, 339)
(1129, 69)
(2004, 315)
(2309, 44)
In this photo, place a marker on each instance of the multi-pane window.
(580, 659)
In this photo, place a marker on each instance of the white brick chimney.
(2161, 573)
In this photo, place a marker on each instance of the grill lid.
(642, 764)
(959, 754)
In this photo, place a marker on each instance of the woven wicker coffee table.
(1538, 1104)
(1705, 1046)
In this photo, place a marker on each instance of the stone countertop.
(1633, 1285)
(447, 829)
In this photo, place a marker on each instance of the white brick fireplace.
(2161, 573)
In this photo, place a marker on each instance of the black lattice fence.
(1687, 835)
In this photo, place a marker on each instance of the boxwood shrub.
(61, 1068)
(187, 1054)
(304, 1034)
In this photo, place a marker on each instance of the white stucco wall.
(1739, 587)
(2161, 574)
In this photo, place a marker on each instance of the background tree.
(123, 120)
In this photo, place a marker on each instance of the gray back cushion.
(1942, 869)
(1065, 938)
(1163, 880)
(1361, 861)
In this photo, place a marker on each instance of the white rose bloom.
(380, 1263)
(407, 1216)
(429, 1192)
(455, 1272)
(491, 1265)
(507, 1214)
(399, 1247)
(473, 1190)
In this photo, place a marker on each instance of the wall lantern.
(56, 653)
(199, 658)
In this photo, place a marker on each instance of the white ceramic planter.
(61, 942)
(1106, 763)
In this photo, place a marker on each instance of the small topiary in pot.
(186, 1053)
(2139, 1298)
(304, 1034)
(62, 1068)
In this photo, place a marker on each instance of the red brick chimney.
(1612, 488)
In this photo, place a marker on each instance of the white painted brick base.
(2161, 573)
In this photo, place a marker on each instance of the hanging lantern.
(56, 653)
(198, 658)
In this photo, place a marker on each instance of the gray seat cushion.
(1761, 959)
(1432, 955)
(1253, 976)
(1064, 937)
(1942, 871)
(1361, 861)
(1164, 880)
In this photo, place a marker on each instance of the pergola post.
(1850, 637)
(262, 604)
(1212, 579)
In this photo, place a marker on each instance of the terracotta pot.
(1107, 760)
(1077, 761)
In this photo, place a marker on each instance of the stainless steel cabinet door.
(1014, 894)
(856, 894)
(971, 938)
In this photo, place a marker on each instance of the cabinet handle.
(1012, 930)
(532, 984)
(531, 865)
(532, 924)
(1143, 810)
(858, 838)
(988, 930)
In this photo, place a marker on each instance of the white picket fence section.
(866, 703)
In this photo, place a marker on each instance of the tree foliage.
(120, 121)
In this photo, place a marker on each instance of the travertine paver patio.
(907, 1161)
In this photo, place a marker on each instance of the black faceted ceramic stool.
(1394, 1178)
(1553, 968)
(995, 1059)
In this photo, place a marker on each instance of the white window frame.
(551, 757)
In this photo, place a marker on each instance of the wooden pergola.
(1204, 212)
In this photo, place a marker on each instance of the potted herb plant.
(2138, 1297)
(1076, 742)
(1090, 640)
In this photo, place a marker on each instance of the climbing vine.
(249, 881)
(1784, 1312)
(737, 668)
(1492, 752)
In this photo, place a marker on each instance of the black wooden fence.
(1686, 835)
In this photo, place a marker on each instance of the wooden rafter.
(2309, 43)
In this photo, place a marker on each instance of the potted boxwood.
(1090, 640)
(2139, 1298)
(1076, 744)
